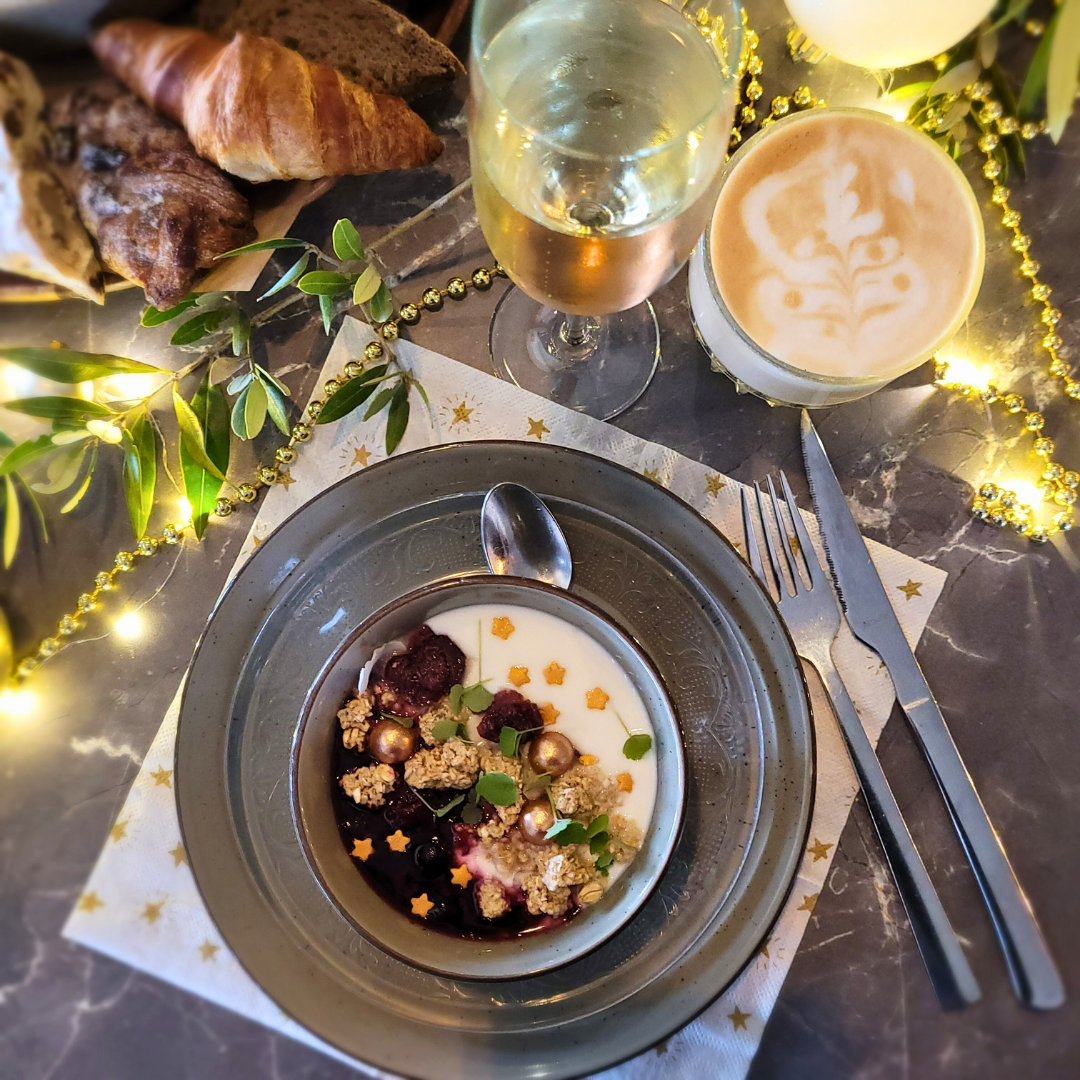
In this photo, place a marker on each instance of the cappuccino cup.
(845, 249)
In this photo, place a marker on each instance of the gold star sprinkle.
(765, 951)
(207, 950)
(362, 849)
(90, 902)
(461, 414)
(738, 1018)
(596, 699)
(118, 831)
(152, 912)
(549, 714)
(362, 456)
(651, 474)
(178, 854)
(460, 876)
(911, 588)
(808, 902)
(588, 759)
(625, 781)
(537, 428)
(554, 673)
(661, 1048)
(519, 676)
(162, 776)
(256, 541)
(502, 627)
(285, 480)
(713, 484)
(819, 850)
(421, 905)
(397, 841)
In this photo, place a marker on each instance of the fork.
(812, 616)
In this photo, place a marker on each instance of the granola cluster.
(355, 720)
(584, 791)
(494, 761)
(369, 785)
(449, 764)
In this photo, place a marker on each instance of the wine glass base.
(602, 375)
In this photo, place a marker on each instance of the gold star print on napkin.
(143, 862)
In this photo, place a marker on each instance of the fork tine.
(770, 547)
(753, 552)
(810, 559)
(793, 566)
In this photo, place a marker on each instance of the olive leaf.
(498, 788)
(397, 419)
(1035, 80)
(26, 452)
(1013, 10)
(7, 654)
(637, 746)
(192, 438)
(140, 472)
(324, 283)
(63, 470)
(277, 397)
(238, 384)
(84, 486)
(379, 401)
(351, 395)
(346, 240)
(381, 305)
(326, 308)
(1061, 69)
(289, 276)
(249, 412)
(206, 322)
(69, 366)
(264, 245)
(153, 316)
(210, 412)
(12, 521)
(367, 285)
(241, 333)
(70, 409)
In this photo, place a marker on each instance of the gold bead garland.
(247, 492)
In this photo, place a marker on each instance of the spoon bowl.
(521, 537)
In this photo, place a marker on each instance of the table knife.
(870, 615)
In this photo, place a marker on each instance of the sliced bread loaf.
(368, 42)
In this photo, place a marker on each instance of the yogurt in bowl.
(489, 758)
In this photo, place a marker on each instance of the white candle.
(887, 33)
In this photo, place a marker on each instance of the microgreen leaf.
(477, 698)
(559, 828)
(153, 316)
(598, 842)
(442, 730)
(574, 833)
(444, 810)
(404, 721)
(456, 693)
(603, 862)
(346, 240)
(498, 788)
(637, 746)
(510, 739)
(597, 826)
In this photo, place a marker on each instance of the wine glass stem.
(574, 339)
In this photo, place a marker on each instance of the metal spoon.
(522, 538)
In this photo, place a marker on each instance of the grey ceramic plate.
(682, 593)
(411, 941)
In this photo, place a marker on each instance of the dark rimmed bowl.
(349, 890)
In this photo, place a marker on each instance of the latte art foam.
(847, 244)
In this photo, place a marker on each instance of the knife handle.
(941, 951)
(1034, 975)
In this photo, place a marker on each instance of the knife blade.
(870, 615)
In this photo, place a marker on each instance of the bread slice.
(41, 236)
(368, 42)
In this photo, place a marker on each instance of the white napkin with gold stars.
(141, 905)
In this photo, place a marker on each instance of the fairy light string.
(998, 505)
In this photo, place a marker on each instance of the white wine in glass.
(597, 131)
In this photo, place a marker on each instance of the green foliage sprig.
(207, 422)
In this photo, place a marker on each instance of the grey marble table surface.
(1001, 651)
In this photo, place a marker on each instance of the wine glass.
(597, 129)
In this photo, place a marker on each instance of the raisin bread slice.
(367, 41)
(41, 236)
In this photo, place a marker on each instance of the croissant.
(261, 111)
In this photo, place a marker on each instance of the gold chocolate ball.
(535, 819)
(551, 752)
(391, 742)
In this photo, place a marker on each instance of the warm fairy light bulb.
(183, 508)
(1025, 490)
(17, 704)
(962, 370)
(129, 625)
(129, 386)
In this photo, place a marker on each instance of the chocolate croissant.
(261, 111)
